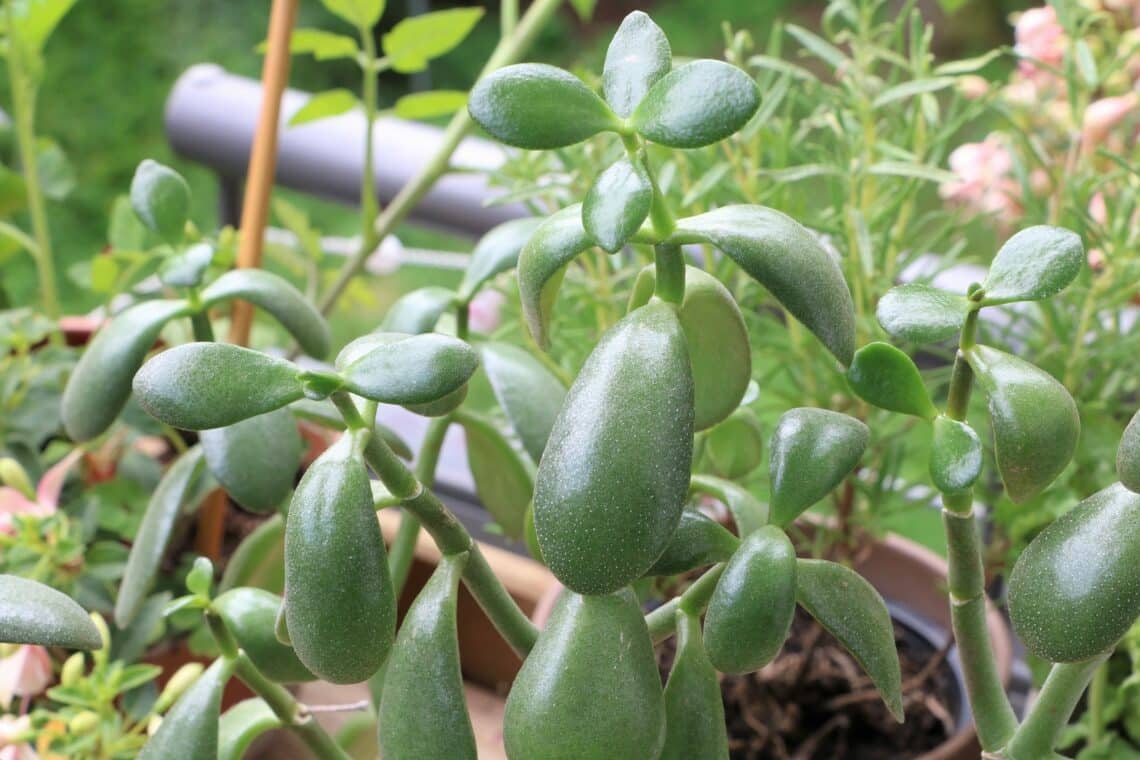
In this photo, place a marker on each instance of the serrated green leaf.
(885, 377)
(322, 45)
(323, 105)
(363, 14)
(430, 104)
(418, 39)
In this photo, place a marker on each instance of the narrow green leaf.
(419, 310)
(617, 203)
(363, 14)
(101, 381)
(322, 106)
(398, 369)
(638, 56)
(812, 451)
(698, 104)
(504, 480)
(418, 39)
(154, 534)
(749, 513)
(1035, 420)
(885, 377)
(190, 729)
(1034, 264)
(430, 104)
(910, 88)
(161, 198)
(535, 106)
(788, 260)
(955, 456)
(911, 171)
(278, 297)
(528, 392)
(496, 252)
(817, 46)
(543, 260)
(853, 612)
(241, 725)
(32, 613)
(698, 541)
(198, 386)
(322, 45)
(922, 314)
(256, 459)
(969, 65)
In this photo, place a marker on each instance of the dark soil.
(814, 702)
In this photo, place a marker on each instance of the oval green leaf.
(161, 199)
(259, 561)
(812, 451)
(694, 708)
(696, 105)
(504, 480)
(401, 369)
(735, 447)
(535, 106)
(190, 729)
(749, 513)
(101, 381)
(698, 541)
(589, 690)
(198, 386)
(1075, 590)
(921, 314)
(1128, 455)
(955, 456)
(154, 533)
(788, 260)
(852, 611)
(612, 482)
(542, 263)
(885, 377)
(752, 606)
(277, 296)
(528, 393)
(496, 252)
(418, 311)
(186, 268)
(1036, 263)
(423, 711)
(241, 725)
(1035, 421)
(32, 613)
(251, 616)
(617, 203)
(638, 56)
(256, 459)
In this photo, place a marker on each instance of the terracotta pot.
(912, 580)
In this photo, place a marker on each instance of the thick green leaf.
(535, 106)
(418, 311)
(186, 268)
(955, 455)
(277, 296)
(504, 480)
(617, 203)
(418, 39)
(812, 451)
(430, 104)
(1036, 263)
(198, 386)
(638, 56)
(694, 708)
(422, 711)
(256, 459)
(322, 45)
(259, 561)
(241, 725)
(698, 541)
(542, 263)
(851, 610)
(885, 377)
(751, 609)
(613, 479)
(363, 14)
(921, 313)
(497, 251)
(190, 730)
(1075, 590)
(747, 511)
(154, 534)
(788, 260)
(417, 369)
(697, 104)
(1128, 455)
(526, 390)
(101, 382)
(324, 105)
(161, 198)
(735, 447)
(32, 613)
(1035, 420)
(251, 615)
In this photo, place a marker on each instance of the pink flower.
(15, 502)
(1039, 36)
(1102, 115)
(983, 178)
(483, 313)
(13, 732)
(24, 673)
(1098, 209)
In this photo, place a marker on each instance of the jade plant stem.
(447, 532)
(670, 272)
(662, 621)
(509, 50)
(1050, 713)
(404, 544)
(24, 113)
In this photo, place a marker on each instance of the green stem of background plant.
(509, 50)
(24, 115)
(369, 205)
(1050, 713)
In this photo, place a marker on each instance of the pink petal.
(25, 673)
(12, 502)
(47, 490)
